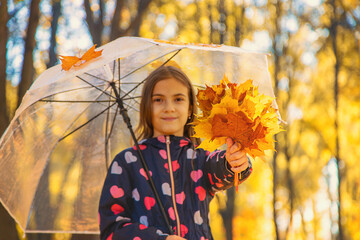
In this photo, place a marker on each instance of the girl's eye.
(157, 100)
(179, 99)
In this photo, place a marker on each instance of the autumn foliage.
(68, 62)
(238, 112)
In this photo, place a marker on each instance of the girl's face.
(169, 107)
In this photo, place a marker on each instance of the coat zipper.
(172, 185)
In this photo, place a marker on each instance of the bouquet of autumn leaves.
(238, 112)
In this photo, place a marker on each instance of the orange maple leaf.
(68, 62)
(210, 96)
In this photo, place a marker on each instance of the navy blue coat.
(127, 207)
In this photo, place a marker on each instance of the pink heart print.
(149, 202)
(116, 209)
(200, 191)
(142, 147)
(161, 139)
(143, 173)
(116, 192)
(110, 236)
(163, 154)
(180, 197)
(183, 230)
(175, 166)
(196, 175)
(171, 213)
(142, 227)
(183, 142)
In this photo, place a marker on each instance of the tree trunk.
(7, 226)
(276, 72)
(135, 23)
(4, 16)
(333, 35)
(197, 18)
(240, 20)
(115, 22)
(222, 20)
(289, 183)
(274, 190)
(95, 27)
(211, 39)
(56, 12)
(27, 72)
(142, 6)
(227, 214)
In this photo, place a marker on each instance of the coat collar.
(160, 141)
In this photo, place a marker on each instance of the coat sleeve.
(218, 172)
(115, 207)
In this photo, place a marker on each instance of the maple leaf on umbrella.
(68, 62)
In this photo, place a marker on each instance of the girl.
(186, 178)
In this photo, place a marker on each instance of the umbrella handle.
(126, 118)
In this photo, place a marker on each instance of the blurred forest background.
(310, 188)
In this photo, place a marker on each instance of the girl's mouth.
(169, 118)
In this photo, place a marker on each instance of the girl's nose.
(169, 106)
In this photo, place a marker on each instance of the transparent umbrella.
(55, 153)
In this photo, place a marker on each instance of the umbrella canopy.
(55, 153)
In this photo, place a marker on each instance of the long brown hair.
(145, 128)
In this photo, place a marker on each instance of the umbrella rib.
(132, 98)
(106, 138)
(112, 124)
(82, 125)
(65, 91)
(106, 93)
(118, 73)
(96, 77)
(77, 101)
(145, 65)
(131, 106)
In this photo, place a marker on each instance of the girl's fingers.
(238, 162)
(229, 143)
(240, 168)
(232, 146)
(237, 155)
(235, 148)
